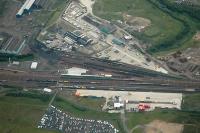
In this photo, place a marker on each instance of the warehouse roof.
(76, 71)
(21, 10)
(29, 5)
(34, 65)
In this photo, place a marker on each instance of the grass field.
(169, 30)
(89, 102)
(94, 103)
(21, 114)
(191, 102)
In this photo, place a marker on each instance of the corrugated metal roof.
(21, 10)
(34, 65)
(76, 71)
(29, 5)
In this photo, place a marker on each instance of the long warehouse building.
(29, 5)
(25, 7)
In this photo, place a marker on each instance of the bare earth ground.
(197, 36)
(136, 21)
(158, 126)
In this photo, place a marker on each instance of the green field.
(21, 114)
(191, 102)
(169, 30)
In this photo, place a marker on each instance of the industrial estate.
(99, 66)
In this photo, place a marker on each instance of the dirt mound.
(136, 21)
(158, 126)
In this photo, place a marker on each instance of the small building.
(47, 90)
(118, 105)
(74, 71)
(15, 63)
(25, 8)
(34, 65)
(21, 10)
(128, 37)
(29, 5)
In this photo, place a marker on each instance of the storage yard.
(57, 120)
(134, 101)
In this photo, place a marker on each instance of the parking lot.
(58, 120)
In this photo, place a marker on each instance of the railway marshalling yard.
(100, 96)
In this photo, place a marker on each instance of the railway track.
(44, 79)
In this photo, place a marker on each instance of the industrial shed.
(25, 7)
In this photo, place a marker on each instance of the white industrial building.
(47, 90)
(25, 7)
(29, 5)
(75, 71)
(118, 105)
(34, 65)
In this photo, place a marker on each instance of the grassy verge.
(94, 103)
(5, 57)
(89, 102)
